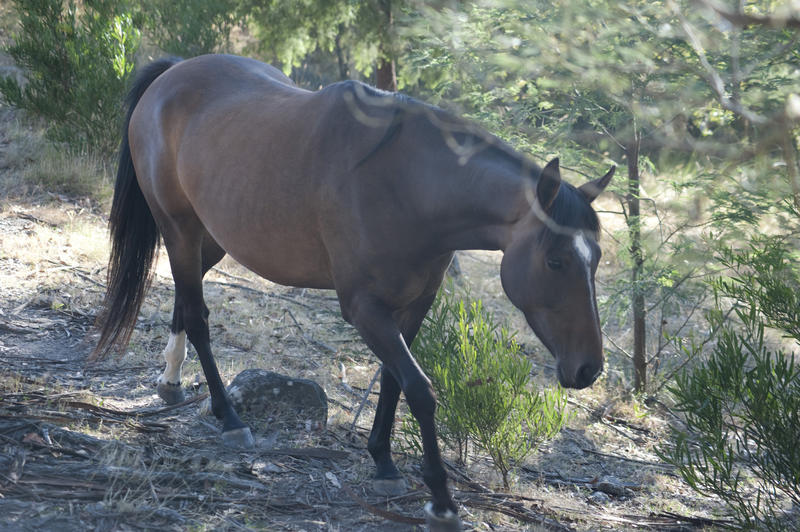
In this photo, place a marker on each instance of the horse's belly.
(278, 273)
(299, 261)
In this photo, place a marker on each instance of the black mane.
(571, 210)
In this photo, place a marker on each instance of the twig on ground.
(261, 292)
(83, 274)
(308, 452)
(515, 510)
(365, 398)
(626, 459)
(307, 337)
(153, 412)
(603, 415)
(386, 514)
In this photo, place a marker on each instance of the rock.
(598, 497)
(269, 396)
(610, 485)
(267, 468)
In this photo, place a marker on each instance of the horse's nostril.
(587, 374)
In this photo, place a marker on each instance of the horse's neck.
(487, 200)
(469, 196)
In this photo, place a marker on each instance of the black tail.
(134, 235)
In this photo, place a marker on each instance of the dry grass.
(74, 175)
(32, 166)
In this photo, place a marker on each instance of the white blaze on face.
(174, 354)
(583, 250)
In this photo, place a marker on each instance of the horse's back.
(229, 140)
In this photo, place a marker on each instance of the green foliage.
(288, 32)
(77, 63)
(188, 28)
(673, 84)
(742, 405)
(588, 74)
(352, 35)
(483, 386)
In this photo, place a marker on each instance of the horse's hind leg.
(189, 263)
(169, 383)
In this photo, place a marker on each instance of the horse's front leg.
(388, 480)
(377, 327)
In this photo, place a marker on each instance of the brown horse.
(348, 188)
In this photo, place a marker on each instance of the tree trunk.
(386, 78)
(344, 69)
(385, 75)
(635, 234)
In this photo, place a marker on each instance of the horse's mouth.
(578, 382)
(562, 379)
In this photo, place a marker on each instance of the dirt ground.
(91, 447)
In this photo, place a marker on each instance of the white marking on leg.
(174, 354)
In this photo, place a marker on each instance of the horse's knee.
(421, 398)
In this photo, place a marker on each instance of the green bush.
(482, 381)
(190, 27)
(742, 405)
(77, 63)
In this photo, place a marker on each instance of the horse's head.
(548, 272)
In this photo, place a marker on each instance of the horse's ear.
(592, 189)
(549, 182)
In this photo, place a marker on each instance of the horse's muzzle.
(584, 377)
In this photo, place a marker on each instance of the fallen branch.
(517, 511)
(365, 399)
(260, 292)
(307, 452)
(380, 512)
(698, 521)
(83, 274)
(153, 412)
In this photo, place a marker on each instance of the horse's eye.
(554, 264)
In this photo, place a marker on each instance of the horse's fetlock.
(218, 408)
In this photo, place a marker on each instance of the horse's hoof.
(170, 393)
(447, 522)
(390, 487)
(240, 438)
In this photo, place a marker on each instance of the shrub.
(77, 63)
(190, 27)
(742, 405)
(483, 386)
